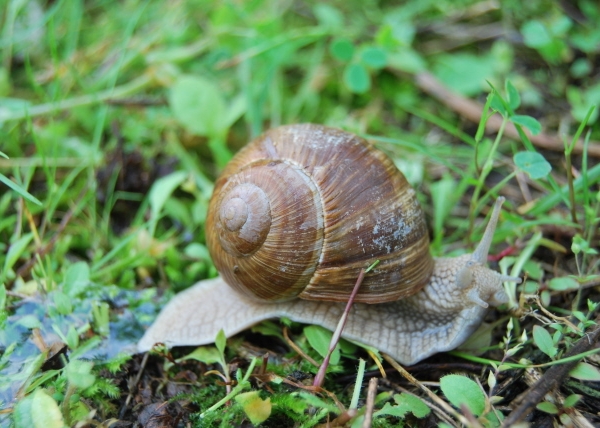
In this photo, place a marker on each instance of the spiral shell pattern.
(301, 209)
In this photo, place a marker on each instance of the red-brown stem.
(504, 253)
(320, 377)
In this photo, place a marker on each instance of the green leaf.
(547, 407)
(328, 16)
(535, 34)
(534, 270)
(314, 401)
(585, 371)
(198, 105)
(465, 73)
(462, 390)
(319, 338)
(543, 341)
(221, 341)
(204, 354)
(22, 412)
(564, 283)
(581, 245)
(528, 122)
(408, 60)
(374, 57)
(403, 30)
(101, 318)
(62, 302)
(389, 410)
(583, 101)
(236, 109)
(2, 297)
(372, 350)
(497, 104)
(581, 67)
(30, 322)
(360, 374)
(571, 400)
(491, 380)
(268, 328)
(514, 99)
(342, 49)
(72, 337)
(404, 403)
(162, 189)
(15, 251)
(79, 374)
(77, 279)
(38, 410)
(534, 164)
(356, 78)
(485, 115)
(257, 409)
(385, 37)
(86, 347)
(196, 250)
(416, 405)
(443, 201)
(20, 190)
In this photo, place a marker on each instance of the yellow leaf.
(257, 409)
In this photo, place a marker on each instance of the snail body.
(294, 217)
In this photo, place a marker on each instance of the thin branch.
(371, 392)
(133, 387)
(296, 348)
(551, 379)
(441, 403)
(335, 338)
(471, 110)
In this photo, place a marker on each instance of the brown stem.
(320, 377)
(371, 392)
(471, 110)
(133, 387)
(296, 348)
(445, 407)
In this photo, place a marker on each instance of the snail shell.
(302, 208)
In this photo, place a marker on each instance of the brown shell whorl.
(272, 254)
(330, 205)
(244, 219)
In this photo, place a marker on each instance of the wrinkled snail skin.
(436, 319)
(410, 326)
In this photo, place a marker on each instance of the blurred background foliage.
(116, 116)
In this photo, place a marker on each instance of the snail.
(294, 217)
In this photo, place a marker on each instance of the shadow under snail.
(294, 217)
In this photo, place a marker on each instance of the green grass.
(116, 117)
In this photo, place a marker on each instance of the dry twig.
(441, 403)
(551, 379)
(296, 348)
(370, 405)
(472, 110)
(133, 386)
